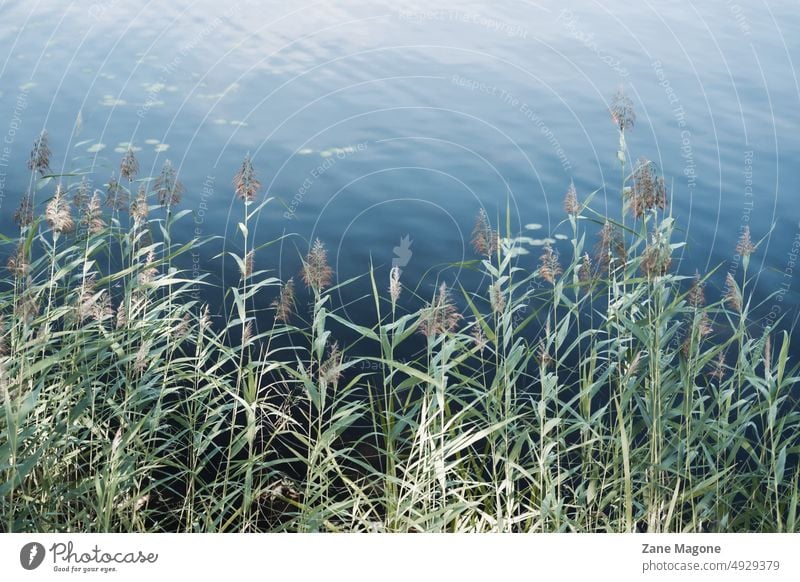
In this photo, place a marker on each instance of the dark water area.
(382, 129)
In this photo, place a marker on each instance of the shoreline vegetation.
(597, 392)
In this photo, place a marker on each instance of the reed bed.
(598, 391)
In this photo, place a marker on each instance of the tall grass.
(599, 392)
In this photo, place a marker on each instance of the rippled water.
(383, 127)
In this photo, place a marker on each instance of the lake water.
(382, 128)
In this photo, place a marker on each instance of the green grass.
(587, 395)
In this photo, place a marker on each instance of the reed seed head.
(167, 187)
(549, 267)
(622, 111)
(247, 334)
(330, 371)
(39, 160)
(610, 246)
(704, 325)
(149, 273)
(116, 196)
(245, 183)
(485, 240)
(497, 299)
(317, 274)
(23, 217)
(733, 297)
(182, 329)
(59, 214)
(122, 315)
(543, 355)
(205, 318)
(92, 304)
(18, 263)
(139, 208)
(440, 316)
(767, 353)
(571, 204)
(696, 295)
(718, 371)
(745, 246)
(656, 257)
(93, 215)
(129, 166)
(649, 190)
(585, 276)
(81, 197)
(284, 305)
(394, 284)
(28, 305)
(478, 336)
(247, 265)
(141, 362)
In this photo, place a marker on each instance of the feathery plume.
(129, 166)
(81, 197)
(205, 318)
(140, 364)
(633, 367)
(696, 296)
(621, 110)
(285, 303)
(23, 217)
(478, 336)
(610, 246)
(139, 208)
(330, 371)
(92, 304)
(394, 284)
(247, 265)
(28, 306)
(649, 190)
(585, 272)
(496, 298)
(549, 268)
(59, 214)
(148, 274)
(767, 353)
(182, 329)
(247, 333)
(115, 444)
(317, 274)
(440, 315)
(543, 355)
(116, 196)
(18, 263)
(167, 187)
(733, 296)
(745, 246)
(704, 325)
(93, 215)
(40, 154)
(656, 259)
(122, 315)
(484, 238)
(718, 372)
(571, 204)
(245, 183)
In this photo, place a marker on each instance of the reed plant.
(596, 391)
